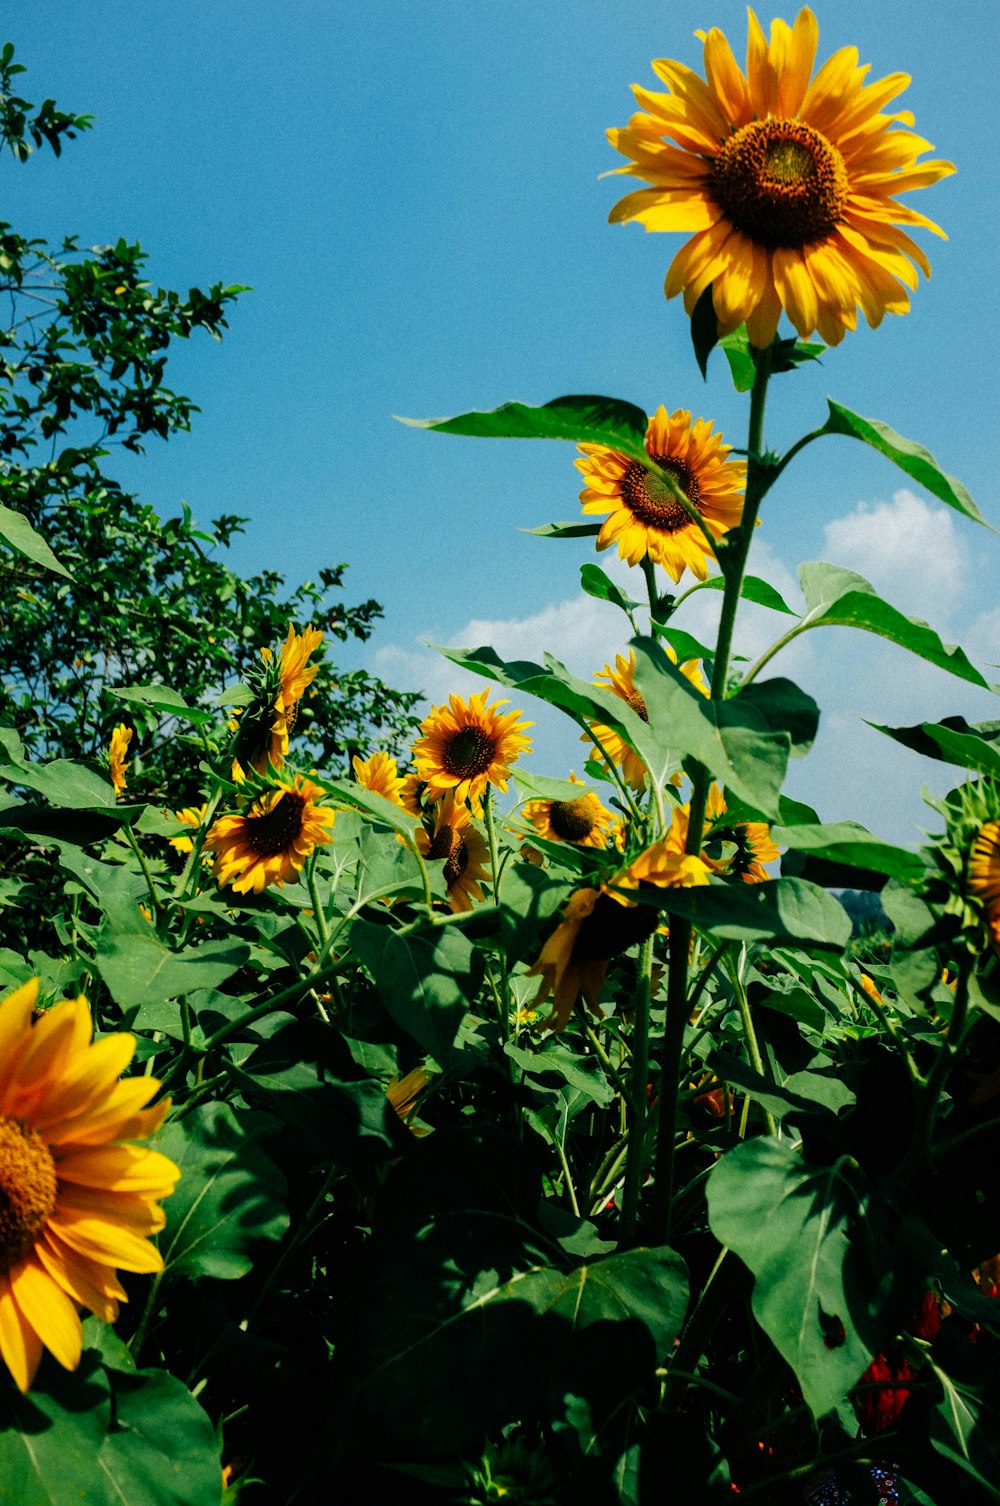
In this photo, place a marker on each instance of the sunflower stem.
(154, 896)
(635, 1160)
(735, 970)
(929, 1092)
(322, 928)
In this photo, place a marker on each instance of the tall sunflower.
(467, 745)
(78, 1200)
(583, 821)
(645, 518)
(120, 739)
(269, 843)
(600, 924)
(456, 843)
(621, 679)
(750, 840)
(788, 182)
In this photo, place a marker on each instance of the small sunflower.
(788, 185)
(645, 518)
(621, 679)
(599, 924)
(467, 746)
(380, 775)
(120, 739)
(585, 822)
(269, 843)
(78, 1200)
(751, 841)
(191, 815)
(278, 685)
(456, 843)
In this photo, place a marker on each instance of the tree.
(101, 593)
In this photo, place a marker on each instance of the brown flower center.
(27, 1190)
(649, 498)
(634, 699)
(611, 928)
(572, 820)
(448, 844)
(780, 182)
(275, 830)
(469, 752)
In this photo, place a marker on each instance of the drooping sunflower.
(456, 843)
(585, 822)
(751, 841)
(269, 842)
(645, 517)
(278, 685)
(984, 876)
(120, 739)
(599, 924)
(380, 775)
(466, 746)
(788, 182)
(78, 1200)
(621, 679)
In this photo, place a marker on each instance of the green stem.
(154, 897)
(743, 1003)
(635, 1161)
(320, 918)
(929, 1093)
(776, 647)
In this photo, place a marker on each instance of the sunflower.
(645, 517)
(984, 876)
(191, 815)
(120, 739)
(750, 839)
(584, 821)
(77, 1200)
(788, 185)
(269, 843)
(277, 686)
(621, 679)
(467, 746)
(456, 843)
(599, 924)
(380, 775)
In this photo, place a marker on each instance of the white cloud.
(982, 639)
(908, 549)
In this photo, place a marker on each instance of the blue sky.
(412, 190)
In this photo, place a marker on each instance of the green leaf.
(595, 583)
(965, 1428)
(836, 597)
(139, 969)
(163, 699)
(782, 707)
(353, 794)
(49, 1439)
(951, 741)
(162, 1450)
(918, 463)
(73, 786)
(228, 1200)
(796, 1226)
(426, 983)
(19, 534)
(705, 331)
(737, 351)
(585, 419)
(754, 589)
(779, 911)
(565, 530)
(581, 1072)
(848, 842)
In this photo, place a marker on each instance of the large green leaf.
(596, 583)
(162, 1450)
(952, 741)
(836, 597)
(163, 699)
(918, 463)
(426, 982)
(779, 911)
(228, 1201)
(16, 531)
(74, 786)
(754, 589)
(848, 842)
(585, 419)
(139, 969)
(803, 1231)
(965, 1428)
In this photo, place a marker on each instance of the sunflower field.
(381, 1113)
